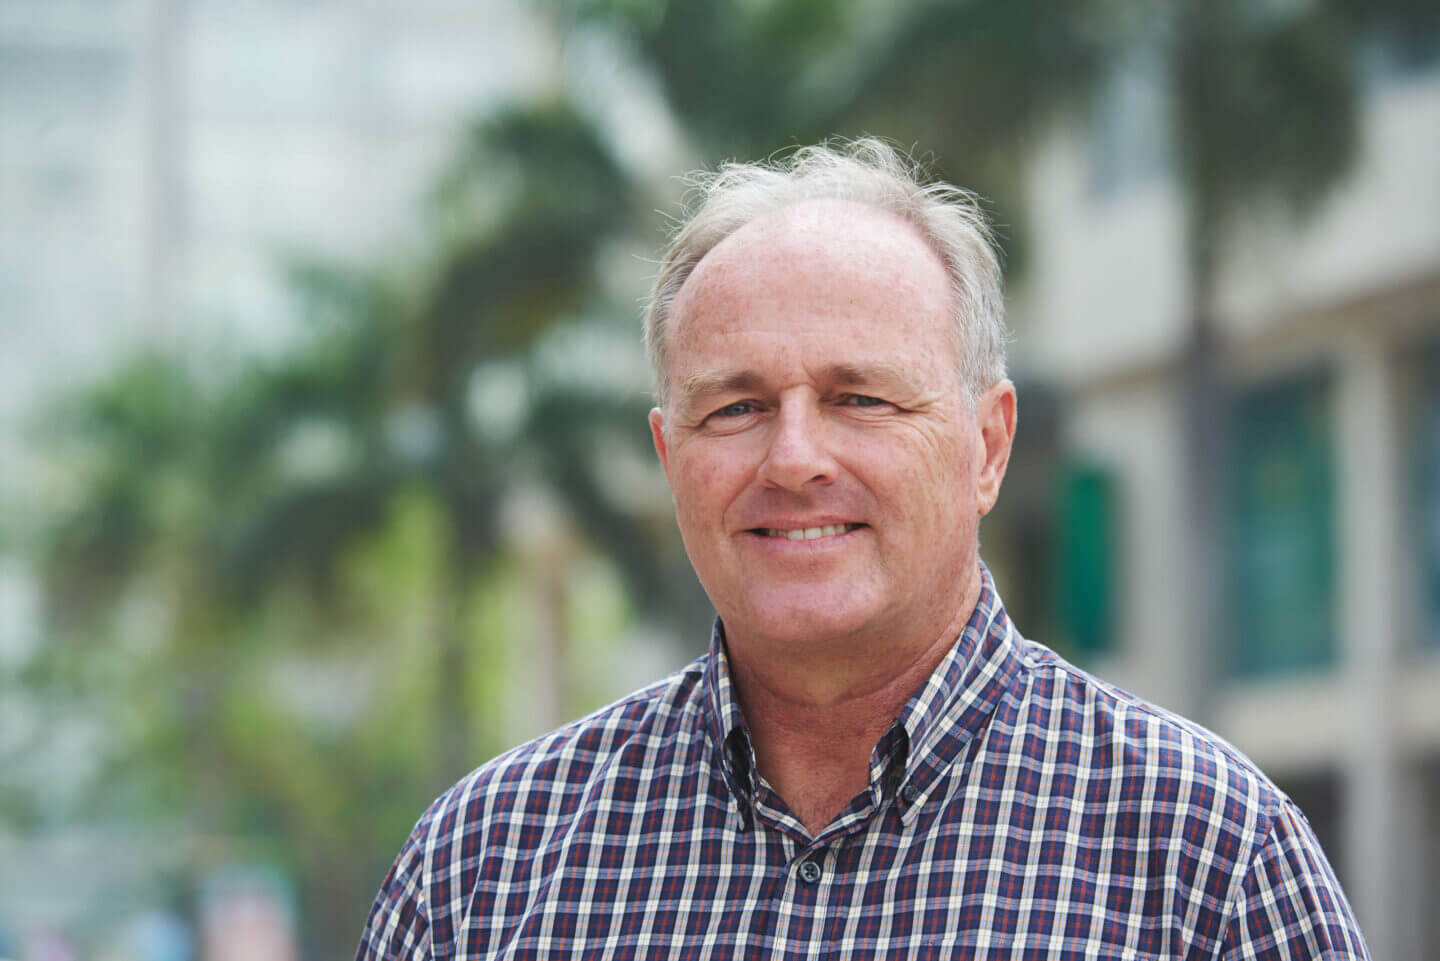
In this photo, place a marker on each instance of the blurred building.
(161, 161)
(1324, 663)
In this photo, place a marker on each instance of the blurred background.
(324, 473)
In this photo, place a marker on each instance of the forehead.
(833, 277)
(830, 236)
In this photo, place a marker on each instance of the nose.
(798, 453)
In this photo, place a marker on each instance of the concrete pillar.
(1380, 860)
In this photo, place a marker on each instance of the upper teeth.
(810, 533)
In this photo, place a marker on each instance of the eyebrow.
(708, 383)
(872, 372)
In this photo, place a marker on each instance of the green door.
(1281, 545)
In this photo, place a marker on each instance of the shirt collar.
(955, 703)
(930, 731)
(735, 755)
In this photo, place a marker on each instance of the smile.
(808, 533)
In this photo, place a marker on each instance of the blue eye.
(738, 409)
(862, 400)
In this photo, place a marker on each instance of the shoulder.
(1233, 849)
(1180, 806)
(509, 807)
(1129, 738)
(1291, 906)
(624, 733)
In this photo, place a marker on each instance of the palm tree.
(407, 372)
(137, 444)
(226, 496)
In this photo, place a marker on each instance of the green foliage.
(315, 532)
(1264, 107)
(498, 289)
(982, 75)
(745, 78)
(130, 453)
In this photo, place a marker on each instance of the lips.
(806, 533)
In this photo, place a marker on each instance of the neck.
(815, 725)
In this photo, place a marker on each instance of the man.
(870, 762)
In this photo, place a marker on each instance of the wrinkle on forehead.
(835, 234)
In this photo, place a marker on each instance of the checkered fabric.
(1018, 808)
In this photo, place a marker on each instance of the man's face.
(828, 472)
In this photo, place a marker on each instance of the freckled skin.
(813, 376)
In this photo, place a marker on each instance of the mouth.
(806, 533)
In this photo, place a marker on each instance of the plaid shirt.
(1017, 808)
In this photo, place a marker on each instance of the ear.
(995, 417)
(657, 433)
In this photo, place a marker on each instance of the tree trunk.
(1205, 413)
(453, 716)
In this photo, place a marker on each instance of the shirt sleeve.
(1290, 907)
(398, 928)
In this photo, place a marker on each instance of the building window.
(1084, 574)
(1281, 545)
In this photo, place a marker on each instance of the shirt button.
(910, 793)
(809, 872)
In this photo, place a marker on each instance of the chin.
(804, 620)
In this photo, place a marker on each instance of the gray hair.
(867, 171)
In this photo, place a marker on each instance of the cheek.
(941, 483)
(915, 457)
(699, 474)
(701, 486)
